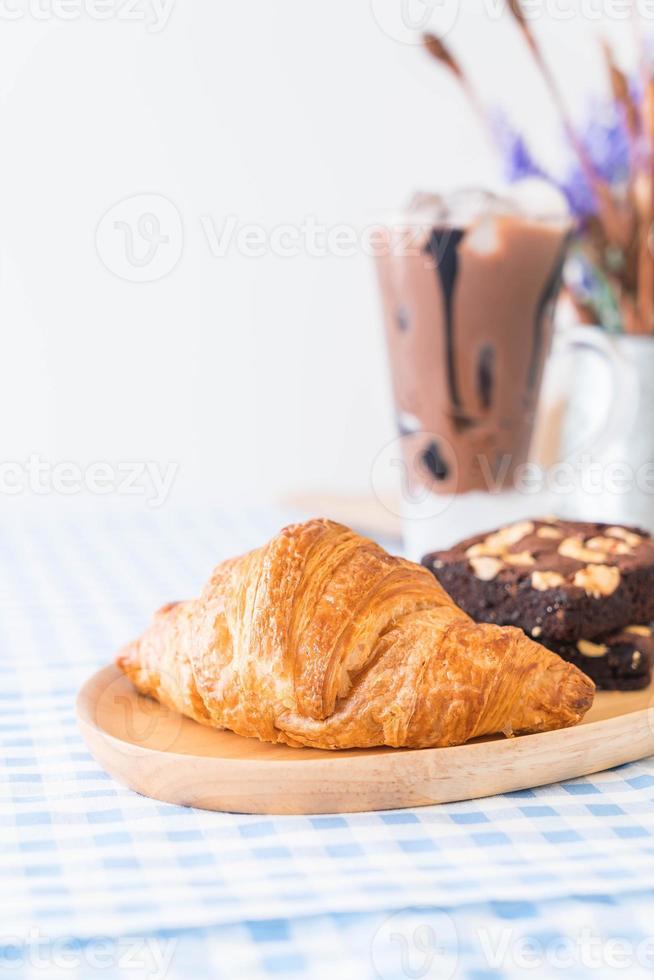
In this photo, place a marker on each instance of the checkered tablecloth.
(94, 877)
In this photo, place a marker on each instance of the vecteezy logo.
(406, 20)
(419, 944)
(140, 239)
(139, 720)
(407, 473)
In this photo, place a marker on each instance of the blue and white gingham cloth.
(86, 864)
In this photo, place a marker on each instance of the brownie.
(621, 661)
(557, 580)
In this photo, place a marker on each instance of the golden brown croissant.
(321, 638)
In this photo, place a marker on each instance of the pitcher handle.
(623, 402)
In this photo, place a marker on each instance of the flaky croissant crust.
(321, 638)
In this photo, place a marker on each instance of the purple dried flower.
(606, 141)
(519, 163)
(605, 138)
(516, 155)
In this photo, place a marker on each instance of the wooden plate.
(157, 752)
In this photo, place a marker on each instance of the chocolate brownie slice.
(621, 661)
(557, 580)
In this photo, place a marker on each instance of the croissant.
(321, 638)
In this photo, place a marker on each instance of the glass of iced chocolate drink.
(468, 286)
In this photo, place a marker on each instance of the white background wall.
(258, 375)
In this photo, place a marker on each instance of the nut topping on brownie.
(485, 567)
(639, 630)
(546, 580)
(575, 548)
(567, 579)
(549, 532)
(590, 649)
(632, 539)
(521, 558)
(598, 580)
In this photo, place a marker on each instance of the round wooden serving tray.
(161, 754)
